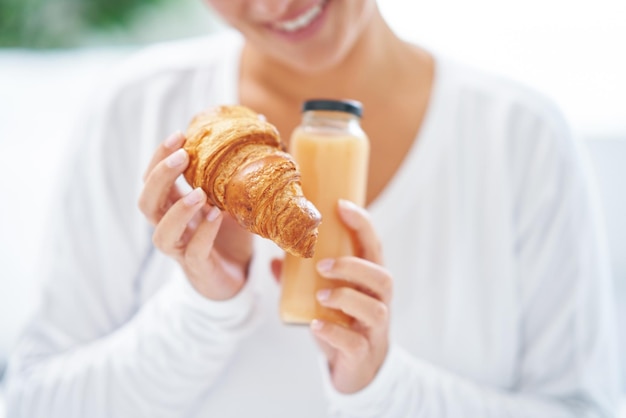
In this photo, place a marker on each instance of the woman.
(501, 302)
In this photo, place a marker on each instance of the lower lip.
(308, 31)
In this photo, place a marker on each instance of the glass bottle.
(332, 152)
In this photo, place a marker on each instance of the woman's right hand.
(213, 250)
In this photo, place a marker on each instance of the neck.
(363, 73)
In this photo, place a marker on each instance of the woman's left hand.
(355, 354)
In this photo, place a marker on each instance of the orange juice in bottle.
(332, 152)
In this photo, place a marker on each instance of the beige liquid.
(333, 167)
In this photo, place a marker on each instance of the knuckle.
(149, 176)
(386, 283)
(338, 294)
(379, 247)
(190, 257)
(158, 240)
(157, 177)
(359, 346)
(338, 264)
(380, 312)
(142, 203)
(152, 219)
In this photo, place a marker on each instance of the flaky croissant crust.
(237, 158)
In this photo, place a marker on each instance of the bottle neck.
(331, 120)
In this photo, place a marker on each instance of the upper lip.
(294, 14)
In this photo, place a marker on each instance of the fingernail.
(174, 141)
(325, 265)
(213, 214)
(323, 295)
(349, 205)
(316, 324)
(175, 159)
(193, 197)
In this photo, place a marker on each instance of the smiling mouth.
(302, 21)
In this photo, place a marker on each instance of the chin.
(322, 48)
(314, 63)
(315, 59)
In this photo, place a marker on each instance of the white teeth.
(301, 21)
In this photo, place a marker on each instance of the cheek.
(229, 10)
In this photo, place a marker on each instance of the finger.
(201, 243)
(368, 311)
(171, 144)
(277, 268)
(350, 342)
(365, 275)
(326, 348)
(169, 234)
(156, 195)
(357, 219)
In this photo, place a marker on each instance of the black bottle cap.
(349, 106)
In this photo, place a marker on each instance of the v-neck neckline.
(411, 168)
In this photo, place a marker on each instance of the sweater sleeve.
(567, 361)
(92, 349)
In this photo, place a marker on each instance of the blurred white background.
(573, 51)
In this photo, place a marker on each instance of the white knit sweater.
(501, 293)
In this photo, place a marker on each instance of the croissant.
(237, 158)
